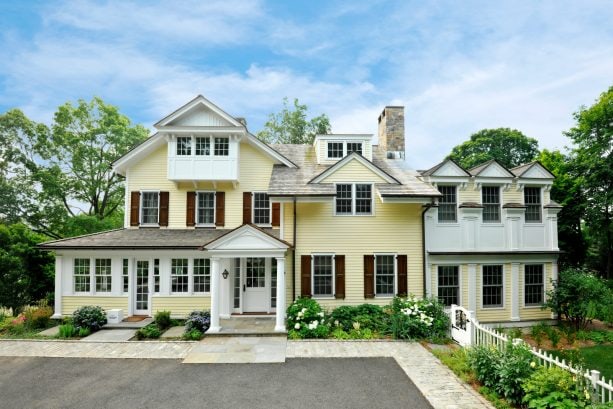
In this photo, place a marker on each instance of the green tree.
(510, 147)
(291, 125)
(593, 160)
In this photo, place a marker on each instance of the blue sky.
(457, 67)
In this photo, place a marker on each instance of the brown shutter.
(369, 276)
(339, 269)
(305, 276)
(163, 209)
(134, 208)
(190, 212)
(401, 261)
(220, 208)
(246, 207)
(276, 214)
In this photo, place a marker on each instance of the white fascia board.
(347, 159)
(493, 180)
(254, 141)
(302, 199)
(404, 199)
(457, 180)
(202, 129)
(334, 137)
(194, 102)
(246, 230)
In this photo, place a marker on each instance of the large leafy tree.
(508, 146)
(593, 160)
(291, 125)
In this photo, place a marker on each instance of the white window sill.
(206, 225)
(265, 225)
(385, 296)
(533, 307)
(493, 308)
(323, 297)
(149, 225)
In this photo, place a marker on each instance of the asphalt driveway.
(169, 384)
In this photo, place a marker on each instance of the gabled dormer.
(334, 147)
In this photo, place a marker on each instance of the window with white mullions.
(385, 274)
(532, 200)
(534, 286)
(184, 146)
(81, 275)
(222, 147)
(354, 147)
(344, 199)
(335, 150)
(202, 275)
(150, 207)
(491, 204)
(156, 275)
(492, 286)
(363, 199)
(323, 275)
(179, 276)
(203, 146)
(447, 204)
(103, 275)
(261, 208)
(448, 285)
(205, 212)
(124, 274)
(353, 199)
(255, 276)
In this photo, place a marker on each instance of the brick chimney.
(391, 131)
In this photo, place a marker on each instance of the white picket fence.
(467, 331)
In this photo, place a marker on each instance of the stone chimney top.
(391, 131)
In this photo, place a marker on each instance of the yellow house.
(216, 219)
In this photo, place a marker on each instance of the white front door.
(141, 298)
(255, 289)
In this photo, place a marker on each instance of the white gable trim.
(199, 100)
(246, 238)
(254, 141)
(450, 168)
(536, 171)
(347, 159)
(495, 170)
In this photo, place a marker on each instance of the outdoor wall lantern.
(225, 274)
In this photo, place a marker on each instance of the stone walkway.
(238, 350)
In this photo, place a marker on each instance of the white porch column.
(280, 324)
(554, 281)
(515, 292)
(215, 289)
(131, 284)
(57, 313)
(472, 287)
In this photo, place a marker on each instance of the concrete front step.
(129, 325)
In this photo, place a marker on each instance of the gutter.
(423, 244)
(294, 257)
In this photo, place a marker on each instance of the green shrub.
(514, 333)
(512, 369)
(457, 360)
(339, 333)
(5, 313)
(67, 331)
(163, 320)
(367, 315)
(89, 316)
(538, 331)
(553, 335)
(413, 318)
(39, 316)
(193, 335)
(150, 331)
(84, 332)
(306, 319)
(484, 362)
(199, 320)
(553, 388)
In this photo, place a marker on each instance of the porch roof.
(144, 238)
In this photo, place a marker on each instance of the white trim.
(269, 224)
(323, 297)
(501, 307)
(214, 209)
(515, 314)
(140, 209)
(347, 159)
(198, 100)
(436, 283)
(523, 286)
(383, 296)
(354, 199)
(277, 246)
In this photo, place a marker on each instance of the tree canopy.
(508, 146)
(291, 125)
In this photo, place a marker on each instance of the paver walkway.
(110, 335)
(233, 350)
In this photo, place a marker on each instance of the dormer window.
(354, 147)
(335, 150)
(491, 204)
(184, 146)
(532, 200)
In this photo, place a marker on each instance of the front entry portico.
(247, 275)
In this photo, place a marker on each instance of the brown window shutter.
(220, 208)
(369, 276)
(190, 215)
(164, 208)
(276, 214)
(247, 207)
(134, 208)
(401, 261)
(339, 270)
(305, 276)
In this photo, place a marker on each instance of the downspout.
(294, 257)
(423, 243)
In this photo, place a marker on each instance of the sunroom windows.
(354, 199)
(201, 146)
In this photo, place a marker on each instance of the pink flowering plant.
(306, 319)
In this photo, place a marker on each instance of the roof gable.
(377, 172)
(533, 170)
(246, 237)
(198, 112)
(491, 169)
(448, 168)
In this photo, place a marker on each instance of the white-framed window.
(322, 277)
(261, 208)
(447, 204)
(179, 275)
(532, 200)
(150, 207)
(492, 286)
(335, 150)
(340, 149)
(156, 275)
(184, 146)
(354, 147)
(203, 146)
(534, 285)
(222, 146)
(490, 196)
(385, 275)
(103, 275)
(202, 275)
(125, 275)
(81, 275)
(205, 208)
(255, 272)
(354, 199)
(448, 284)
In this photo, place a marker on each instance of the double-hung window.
(125, 275)
(354, 199)
(385, 275)
(179, 276)
(534, 285)
(448, 285)
(323, 275)
(184, 146)
(202, 275)
(103, 275)
(203, 146)
(335, 150)
(222, 146)
(532, 200)
(354, 147)
(81, 275)
(205, 209)
(150, 207)
(261, 208)
(492, 286)
(491, 204)
(447, 205)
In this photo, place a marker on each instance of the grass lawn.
(599, 357)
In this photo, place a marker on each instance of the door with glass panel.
(255, 297)
(141, 298)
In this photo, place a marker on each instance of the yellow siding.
(512, 195)
(395, 228)
(469, 194)
(71, 303)
(546, 197)
(288, 222)
(354, 171)
(534, 313)
(179, 306)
